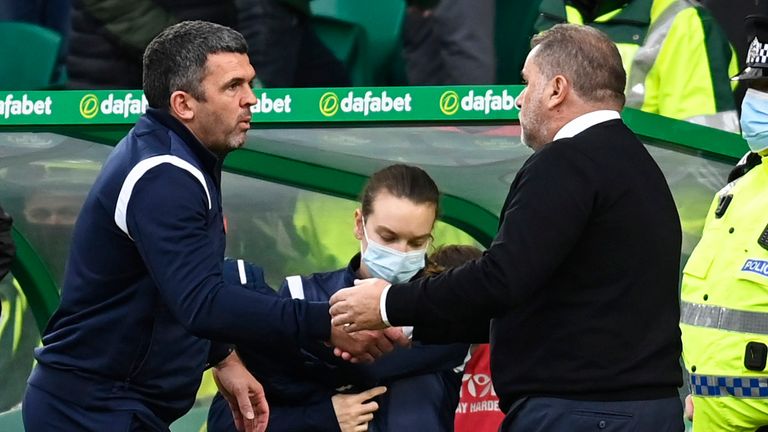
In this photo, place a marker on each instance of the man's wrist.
(383, 306)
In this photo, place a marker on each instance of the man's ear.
(183, 105)
(358, 224)
(560, 88)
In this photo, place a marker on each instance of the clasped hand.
(354, 313)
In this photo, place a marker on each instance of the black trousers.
(544, 414)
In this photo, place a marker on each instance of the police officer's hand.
(355, 411)
(243, 393)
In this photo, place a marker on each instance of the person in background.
(108, 37)
(144, 307)
(9, 295)
(724, 316)
(52, 14)
(730, 15)
(311, 390)
(677, 58)
(450, 42)
(291, 406)
(478, 408)
(284, 47)
(580, 284)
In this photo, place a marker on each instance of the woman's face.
(397, 223)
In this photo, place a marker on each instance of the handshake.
(355, 318)
(366, 345)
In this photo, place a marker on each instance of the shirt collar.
(584, 122)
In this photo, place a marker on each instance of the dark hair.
(176, 58)
(449, 256)
(586, 57)
(401, 181)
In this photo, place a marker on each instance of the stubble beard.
(531, 126)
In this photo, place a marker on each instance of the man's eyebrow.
(235, 80)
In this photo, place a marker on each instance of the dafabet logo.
(329, 104)
(368, 103)
(90, 105)
(24, 106)
(450, 102)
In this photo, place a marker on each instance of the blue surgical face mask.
(390, 264)
(754, 120)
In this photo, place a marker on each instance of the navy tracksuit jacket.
(144, 292)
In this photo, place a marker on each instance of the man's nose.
(519, 100)
(250, 98)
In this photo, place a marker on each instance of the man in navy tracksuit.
(144, 294)
(422, 385)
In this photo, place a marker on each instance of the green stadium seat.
(346, 40)
(28, 55)
(370, 31)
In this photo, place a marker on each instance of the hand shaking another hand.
(357, 308)
(355, 314)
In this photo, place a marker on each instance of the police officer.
(724, 316)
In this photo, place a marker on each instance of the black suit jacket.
(580, 283)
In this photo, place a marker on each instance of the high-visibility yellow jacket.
(18, 337)
(724, 312)
(678, 59)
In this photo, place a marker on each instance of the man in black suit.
(581, 282)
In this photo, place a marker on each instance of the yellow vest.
(725, 292)
(678, 61)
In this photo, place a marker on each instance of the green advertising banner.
(69, 107)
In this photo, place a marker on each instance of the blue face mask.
(389, 264)
(754, 120)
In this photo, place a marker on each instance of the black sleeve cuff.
(218, 352)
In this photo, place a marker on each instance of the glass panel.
(44, 179)
(473, 162)
(694, 181)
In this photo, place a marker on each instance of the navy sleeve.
(546, 210)
(166, 217)
(418, 359)
(218, 352)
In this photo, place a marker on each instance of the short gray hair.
(586, 57)
(176, 58)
